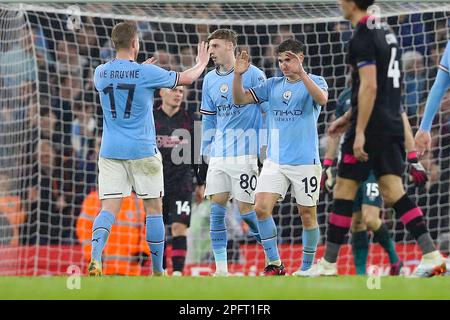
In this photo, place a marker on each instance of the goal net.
(50, 121)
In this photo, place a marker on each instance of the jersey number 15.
(109, 90)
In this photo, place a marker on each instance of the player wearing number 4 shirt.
(128, 154)
(374, 140)
(294, 104)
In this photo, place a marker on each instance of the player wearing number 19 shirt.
(294, 104)
(375, 139)
(129, 157)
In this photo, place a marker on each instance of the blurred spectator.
(187, 57)
(68, 61)
(45, 198)
(414, 81)
(12, 214)
(83, 128)
(269, 62)
(127, 249)
(412, 33)
(165, 60)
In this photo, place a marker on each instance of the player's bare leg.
(310, 238)
(265, 202)
(155, 233)
(394, 195)
(100, 233)
(218, 232)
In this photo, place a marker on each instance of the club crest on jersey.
(224, 88)
(287, 95)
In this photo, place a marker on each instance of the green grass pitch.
(206, 288)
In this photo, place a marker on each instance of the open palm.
(242, 62)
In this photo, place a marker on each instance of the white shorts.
(117, 177)
(236, 175)
(304, 179)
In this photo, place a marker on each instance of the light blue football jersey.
(126, 91)
(237, 127)
(292, 120)
(445, 60)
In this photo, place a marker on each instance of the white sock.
(222, 266)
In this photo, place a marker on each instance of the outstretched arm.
(189, 76)
(440, 86)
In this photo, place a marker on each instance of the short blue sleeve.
(157, 77)
(320, 81)
(445, 61)
(261, 92)
(207, 107)
(96, 76)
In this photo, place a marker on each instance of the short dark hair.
(123, 34)
(363, 4)
(224, 34)
(291, 45)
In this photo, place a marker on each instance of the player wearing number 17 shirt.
(294, 104)
(129, 157)
(374, 139)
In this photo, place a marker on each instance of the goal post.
(50, 118)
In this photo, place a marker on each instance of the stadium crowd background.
(66, 134)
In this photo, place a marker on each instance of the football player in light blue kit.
(295, 102)
(440, 86)
(128, 154)
(230, 140)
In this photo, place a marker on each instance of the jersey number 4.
(393, 69)
(109, 90)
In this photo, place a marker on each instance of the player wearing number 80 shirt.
(230, 137)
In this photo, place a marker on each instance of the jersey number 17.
(109, 90)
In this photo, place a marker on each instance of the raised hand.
(242, 62)
(202, 54)
(296, 64)
(151, 60)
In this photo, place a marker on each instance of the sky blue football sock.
(310, 240)
(268, 232)
(155, 233)
(100, 233)
(252, 222)
(218, 233)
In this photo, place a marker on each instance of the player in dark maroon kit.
(374, 139)
(174, 135)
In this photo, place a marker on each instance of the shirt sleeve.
(260, 78)
(321, 82)
(207, 107)
(260, 92)
(440, 86)
(363, 49)
(157, 77)
(445, 61)
(97, 77)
